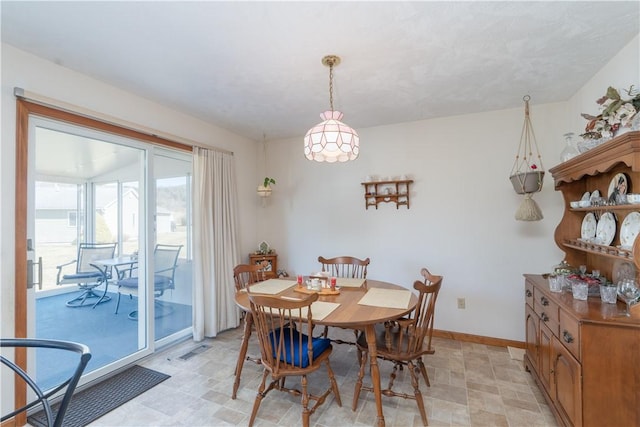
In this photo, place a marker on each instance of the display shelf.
(594, 248)
(607, 208)
(395, 191)
(590, 171)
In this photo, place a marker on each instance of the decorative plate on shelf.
(629, 230)
(623, 270)
(586, 197)
(606, 229)
(589, 225)
(595, 195)
(618, 188)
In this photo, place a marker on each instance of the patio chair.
(88, 276)
(402, 341)
(286, 351)
(349, 267)
(165, 262)
(67, 387)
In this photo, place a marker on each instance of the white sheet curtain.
(215, 242)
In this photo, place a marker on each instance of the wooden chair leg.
(414, 371)
(424, 372)
(248, 324)
(305, 402)
(356, 393)
(334, 384)
(259, 397)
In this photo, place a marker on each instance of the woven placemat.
(92, 403)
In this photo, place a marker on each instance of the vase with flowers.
(617, 113)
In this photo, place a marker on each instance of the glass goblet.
(628, 290)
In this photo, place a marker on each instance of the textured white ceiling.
(254, 67)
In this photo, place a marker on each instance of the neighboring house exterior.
(57, 215)
(56, 212)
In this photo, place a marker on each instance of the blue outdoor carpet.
(109, 336)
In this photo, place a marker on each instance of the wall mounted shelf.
(396, 191)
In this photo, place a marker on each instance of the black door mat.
(92, 403)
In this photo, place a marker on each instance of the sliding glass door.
(172, 306)
(88, 188)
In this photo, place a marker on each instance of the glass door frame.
(26, 109)
(146, 228)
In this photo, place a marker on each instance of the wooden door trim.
(24, 109)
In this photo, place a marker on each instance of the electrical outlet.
(461, 303)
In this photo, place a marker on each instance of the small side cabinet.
(272, 270)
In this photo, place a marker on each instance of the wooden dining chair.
(245, 275)
(404, 341)
(286, 351)
(349, 267)
(345, 266)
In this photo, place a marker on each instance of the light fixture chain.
(331, 85)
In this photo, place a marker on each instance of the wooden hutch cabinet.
(582, 354)
(272, 258)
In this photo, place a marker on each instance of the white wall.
(48, 79)
(621, 72)
(461, 221)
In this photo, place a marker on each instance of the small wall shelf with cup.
(393, 191)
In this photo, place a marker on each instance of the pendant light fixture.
(331, 140)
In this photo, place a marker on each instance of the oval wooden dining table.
(349, 314)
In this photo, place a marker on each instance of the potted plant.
(264, 190)
(529, 181)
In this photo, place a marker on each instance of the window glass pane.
(107, 211)
(173, 224)
(56, 226)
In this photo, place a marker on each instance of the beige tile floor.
(471, 385)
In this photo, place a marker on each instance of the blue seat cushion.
(90, 275)
(130, 282)
(159, 282)
(319, 346)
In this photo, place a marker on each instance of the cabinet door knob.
(528, 293)
(544, 301)
(544, 317)
(567, 337)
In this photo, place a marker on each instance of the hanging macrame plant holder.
(527, 174)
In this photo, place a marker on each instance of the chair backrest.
(247, 274)
(165, 261)
(419, 324)
(69, 385)
(90, 252)
(345, 266)
(279, 325)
